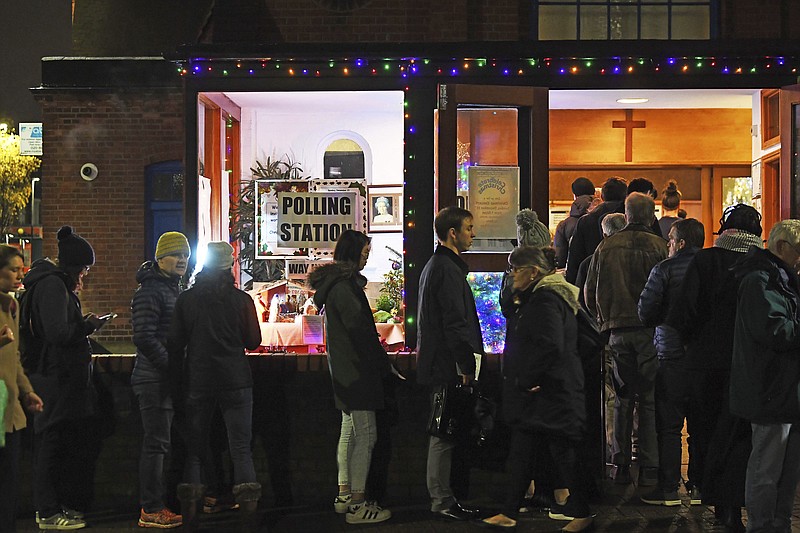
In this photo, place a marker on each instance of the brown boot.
(247, 496)
(190, 496)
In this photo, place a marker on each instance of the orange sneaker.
(163, 519)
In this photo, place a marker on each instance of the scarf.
(737, 240)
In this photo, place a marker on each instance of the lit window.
(624, 19)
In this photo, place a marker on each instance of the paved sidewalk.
(620, 511)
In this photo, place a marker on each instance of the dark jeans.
(9, 477)
(64, 465)
(673, 405)
(237, 410)
(709, 404)
(528, 448)
(155, 405)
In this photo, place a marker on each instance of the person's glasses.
(514, 269)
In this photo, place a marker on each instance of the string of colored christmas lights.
(480, 67)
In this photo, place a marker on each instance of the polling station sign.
(314, 220)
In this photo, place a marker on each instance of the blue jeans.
(772, 474)
(237, 410)
(357, 438)
(155, 405)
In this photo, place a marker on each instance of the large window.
(624, 19)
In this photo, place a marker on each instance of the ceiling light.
(632, 100)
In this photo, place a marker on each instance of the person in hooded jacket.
(543, 386)
(583, 194)
(151, 308)
(764, 375)
(358, 364)
(63, 377)
(212, 325)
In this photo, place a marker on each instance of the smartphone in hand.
(108, 316)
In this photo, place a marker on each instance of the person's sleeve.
(546, 344)
(23, 383)
(561, 245)
(590, 287)
(506, 299)
(176, 348)
(577, 251)
(52, 305)
(146, 309)
(252, 329)
(651, 301)
(765, 315)
(456, 327)
(683, 313)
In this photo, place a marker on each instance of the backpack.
(30, 344)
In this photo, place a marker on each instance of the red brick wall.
(121, 134)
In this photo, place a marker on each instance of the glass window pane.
(623, 22)
(690, 22)
(594, 22)
(558, 22)
(654, 22)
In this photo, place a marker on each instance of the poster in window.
(385, 204)
(494, 201)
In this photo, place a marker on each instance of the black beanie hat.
(73, 250)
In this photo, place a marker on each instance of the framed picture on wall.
(385, 205)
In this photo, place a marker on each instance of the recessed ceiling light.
(632, 100)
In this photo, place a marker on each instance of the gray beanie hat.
(531, 232)
(219, 256)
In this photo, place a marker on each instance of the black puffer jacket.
(660, 291)
(63, 375)
(566, 228)
(151, 309)
(357, 361)
(448, 331)
(541, 350)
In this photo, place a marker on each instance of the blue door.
(163, 202)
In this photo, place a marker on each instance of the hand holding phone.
(108, 316)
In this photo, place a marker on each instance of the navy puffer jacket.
(151, 309)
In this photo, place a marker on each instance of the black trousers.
(673, 405)
(9, 478)
(529, 448)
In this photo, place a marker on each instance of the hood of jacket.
(580, 206)
(323, 278)
(604, 209)
(40, 269)
(561, 287)
(149, 271)
(761, 259)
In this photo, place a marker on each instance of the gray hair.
(612, 223)
(640, 209)
(785, 230)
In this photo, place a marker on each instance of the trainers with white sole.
(61, 522)
(367, 513)
(342, 502)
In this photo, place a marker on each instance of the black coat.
(705, 309)
(62, 377)
(541, 350)
(151, 311)
(208, 337)
(448, 331)
(357, 361)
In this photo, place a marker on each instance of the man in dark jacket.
(765, 372)
(617, 275)
(582, 194)
(588, 233)
(448, 337)
(673, 386)
(151, 308)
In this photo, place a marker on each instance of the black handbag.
(461, 412)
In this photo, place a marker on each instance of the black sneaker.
(570, 510)
(661, 497)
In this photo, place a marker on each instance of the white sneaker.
(61, 522)
(341, 503)
(367, 513)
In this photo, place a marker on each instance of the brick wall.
(120, 132)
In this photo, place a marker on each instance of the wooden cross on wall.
(629, 124)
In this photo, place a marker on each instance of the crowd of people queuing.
(706, 337)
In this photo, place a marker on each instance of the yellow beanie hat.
(172, 242)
